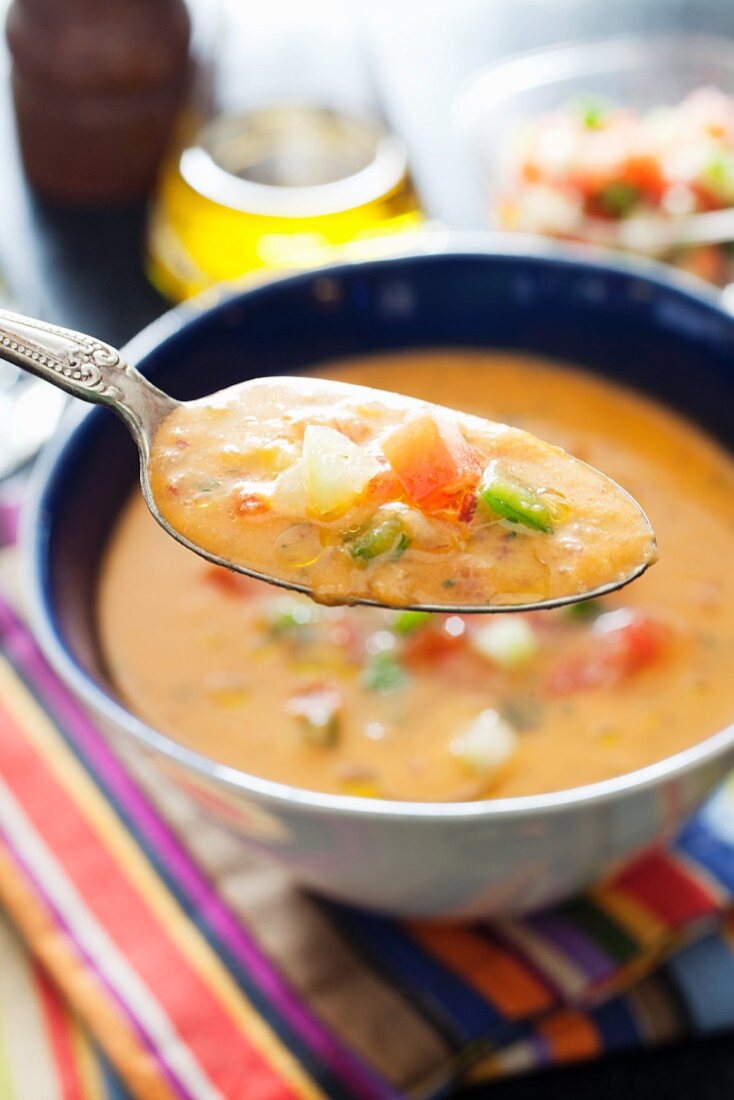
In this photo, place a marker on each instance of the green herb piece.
(384, 674)
(289, 615)
(402, 546)
(324, 733)
(448, 583)
(718, 174)
(512, 499)
(318, 711)
(522, 712)
(385, 537)
(208, 486)
(592, 113)
(585, 611)
(408, 621)
(618, 198)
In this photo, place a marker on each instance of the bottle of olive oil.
(282, 156)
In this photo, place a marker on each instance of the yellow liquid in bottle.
(275, 189)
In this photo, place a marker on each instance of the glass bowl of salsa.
(625, 143)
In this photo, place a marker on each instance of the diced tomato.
(431, 645)
(599, 161)
(231, 584)
(386, 486)
(433, 461)
(645, 172)
(612, 656)
(643, 641)
(251, 504)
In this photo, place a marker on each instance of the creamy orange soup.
(404, 705)
(350, 496)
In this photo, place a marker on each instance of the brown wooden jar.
(96, 87)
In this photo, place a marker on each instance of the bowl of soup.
(436, 765)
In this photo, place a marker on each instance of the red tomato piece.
(251, 504)
(642, 641)
(431, 645)
(385, 486)
(433, 461)
(231, 584)
(612, 656)
(645, 172)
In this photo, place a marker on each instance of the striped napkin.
(143, 955)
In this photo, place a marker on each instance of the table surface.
(83, 269)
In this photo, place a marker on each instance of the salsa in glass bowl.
(621, 143)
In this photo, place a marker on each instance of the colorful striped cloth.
(158, 962)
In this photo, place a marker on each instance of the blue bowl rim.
(115, 714)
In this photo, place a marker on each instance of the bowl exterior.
(444, 868)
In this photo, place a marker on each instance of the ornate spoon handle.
(83, 366)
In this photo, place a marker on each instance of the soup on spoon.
(358, 495)
(355, 495)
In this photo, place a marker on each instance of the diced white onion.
(486, 744)
(509, 643)
(335, 470)
(288, 497)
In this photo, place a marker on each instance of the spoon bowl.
(92, 370)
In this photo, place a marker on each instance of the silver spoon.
(87, 368)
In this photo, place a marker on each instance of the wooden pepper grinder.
(96, 87)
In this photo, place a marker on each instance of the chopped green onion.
(402, 546)
(384, 674)
(618, 198)
(208, 486)
(718, 174)
(512, 499)
(407, 621)
(585, 611)
(288, 614)
(385, 537)
(592, 113)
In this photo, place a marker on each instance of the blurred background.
(400, 66)
(151, 151)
